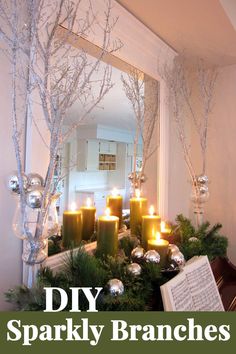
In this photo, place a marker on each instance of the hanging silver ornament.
(203, 190)
(152, 256)
(178, 257)
(134, 268)
(13, 183)
(173, 248)
(137, 253)
(204, 193)
(35, 179)
(115, 287)
(202, 179)
(34, 197)
(143, 178)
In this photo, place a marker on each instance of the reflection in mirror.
(112, 152)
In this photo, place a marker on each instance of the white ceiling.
(202, 28)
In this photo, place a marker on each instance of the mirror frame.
(141, 49)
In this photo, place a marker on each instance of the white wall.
(221, 159)
(221, 162)
(179, 185)
(10, 259)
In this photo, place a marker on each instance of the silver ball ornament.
(13, 183)
(202, 179)
(34, 197)
(137, 253)
(173, 248)
(131, 176)
(152, 256)
(143, 178)
(35, 180)
(193, 239)
(178, 257)
(204, 193)
(203, 189)
(134, 268)
(173, 265)
(115, 287)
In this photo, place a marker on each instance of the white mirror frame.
(143, 50)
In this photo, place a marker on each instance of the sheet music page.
(202, 286)
(179, 295)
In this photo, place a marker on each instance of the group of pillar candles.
(79, 225)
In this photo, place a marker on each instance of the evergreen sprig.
(205, 240)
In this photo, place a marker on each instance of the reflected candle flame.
(107, 212)
(89, 202)
(137, 193)
(73, 206)
(163, 226)
(114, 192)
(151, 210)
(158, 236)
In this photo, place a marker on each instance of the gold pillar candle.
(161, 246)
(107, 237)
(138, 208)
(71, 227)
(115, 203)
(88, 220)
(150, 226)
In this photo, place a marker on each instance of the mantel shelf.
(57, 261)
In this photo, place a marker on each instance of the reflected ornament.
(152, 256)
(178, 257)
(173, 248)
(137, 254)
(34, 197)
(13, 183)
(173, 265)
(34, 179)
(115, 287)
(202, 179)
(134, 268)
(131, 176)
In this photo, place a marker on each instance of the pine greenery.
(205, 240)
(142, 293)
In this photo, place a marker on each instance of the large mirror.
(115, 147)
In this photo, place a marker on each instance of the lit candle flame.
(73, 206)
(151, 210)
(114, 192)
(137, 193)
(163, 226)
(89, 202)
(107, 212)
(158, 236)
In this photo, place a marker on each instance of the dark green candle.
(88, 213)
(72, 228)
(115, 203)
(107, 237)
(138, 208)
